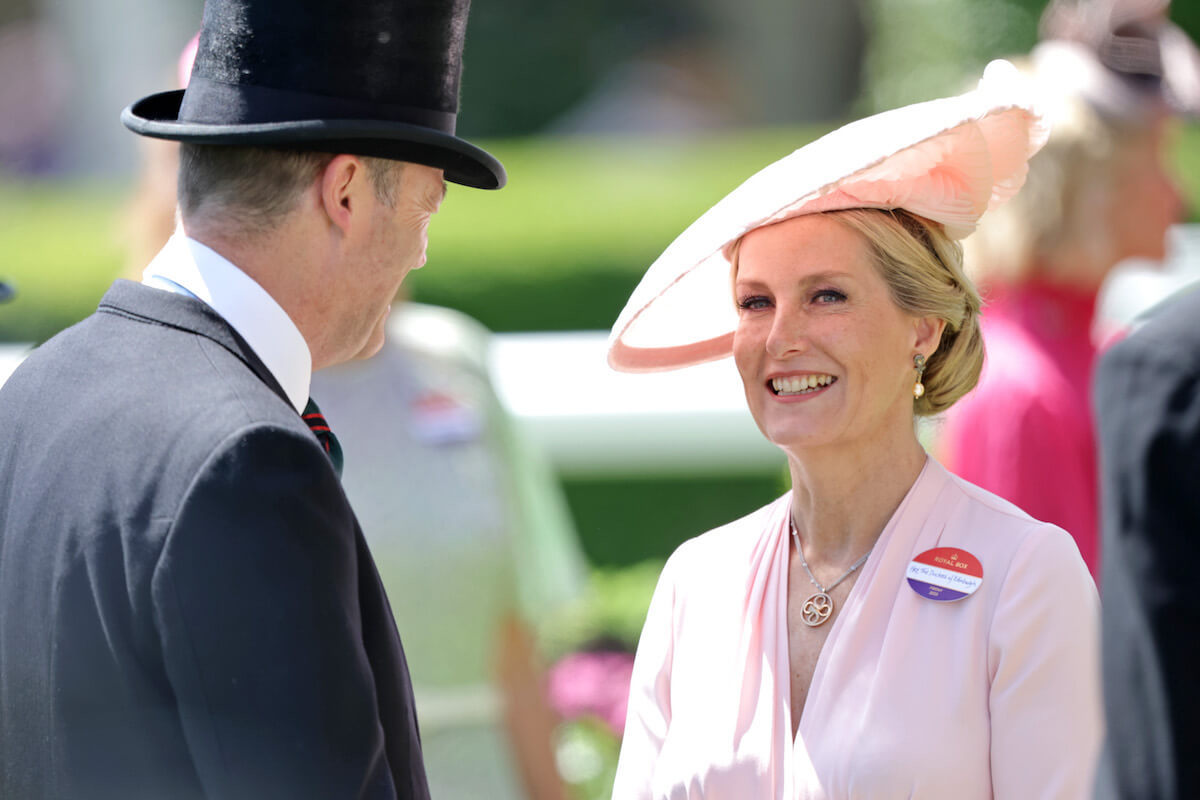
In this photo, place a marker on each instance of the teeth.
(800, 385)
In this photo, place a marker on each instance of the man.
(1148, 412)
(187, 604)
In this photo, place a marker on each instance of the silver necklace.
(819, 605)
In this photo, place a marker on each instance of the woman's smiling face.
(825, 354)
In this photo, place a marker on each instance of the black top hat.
(371, 77)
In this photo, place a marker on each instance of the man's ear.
(341, 185)
(928, 334)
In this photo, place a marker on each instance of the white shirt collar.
(209, 277)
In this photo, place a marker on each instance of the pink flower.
(595, 683)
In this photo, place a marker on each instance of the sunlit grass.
(59, 248)
(559, 248)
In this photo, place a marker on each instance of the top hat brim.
(157, 116)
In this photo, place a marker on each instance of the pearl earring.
(919, 366)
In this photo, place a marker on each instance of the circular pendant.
(817, 609)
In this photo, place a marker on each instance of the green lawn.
(560, 248)
(60, 248)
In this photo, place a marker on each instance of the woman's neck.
(843, 496)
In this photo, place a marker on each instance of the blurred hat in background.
(1125, 57)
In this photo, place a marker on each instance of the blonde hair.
(923, 268)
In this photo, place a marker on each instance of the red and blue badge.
(439, 418)
(945, 574)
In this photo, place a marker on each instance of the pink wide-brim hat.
(947, 160)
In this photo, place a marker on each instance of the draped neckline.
(898, 534)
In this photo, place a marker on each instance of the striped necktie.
(316, 423)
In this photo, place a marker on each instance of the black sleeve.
(1148, 414)
(256, 595)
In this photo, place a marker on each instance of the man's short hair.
(250, 190)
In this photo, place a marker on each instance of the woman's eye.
(753, 303)
(826, 296)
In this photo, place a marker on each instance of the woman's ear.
(928, 334)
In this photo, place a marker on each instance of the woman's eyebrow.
(828, 275)
(816, 277)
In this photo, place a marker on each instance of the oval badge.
(945, 574)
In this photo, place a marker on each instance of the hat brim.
(947, 160)
(157, 116)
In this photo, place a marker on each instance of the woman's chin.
(793, 438)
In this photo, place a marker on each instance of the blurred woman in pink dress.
(884, 629)
(1100, 192)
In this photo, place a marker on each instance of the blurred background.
(619, 122)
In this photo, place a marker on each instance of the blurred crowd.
(1115, 77)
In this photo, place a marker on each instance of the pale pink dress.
(996, 695)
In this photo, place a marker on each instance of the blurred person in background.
(33, 96)
(474, 543)
(465, 519)
(190, 607)
(676, 83)
(1100, 192)
(884, 629)
(1148, 420)
(152, 214)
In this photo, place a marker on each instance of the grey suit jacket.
(187, 604)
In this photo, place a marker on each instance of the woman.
(885, 629)
(1100, 192)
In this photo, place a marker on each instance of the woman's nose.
(788, 335)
